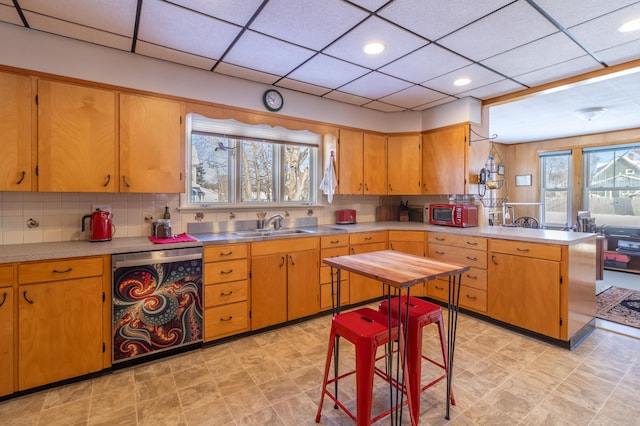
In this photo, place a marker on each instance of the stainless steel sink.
(270, 232)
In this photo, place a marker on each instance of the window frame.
(543, 156)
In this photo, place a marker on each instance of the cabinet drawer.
(226, 320)
(368, 237)
(334, 252)
(217, 253)
(519, 248)
(222, 294)
(6, 275)
(406, 236)
(337, 240)
(475, 258)
(286, 245)
(325, 275)
(62, 269)
(472, 298)
(476, 278)
(462, 241)
(220, 272)
(325, 295)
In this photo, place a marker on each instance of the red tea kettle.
(100, 227)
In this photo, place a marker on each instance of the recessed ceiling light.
(462, 81)
(374, 48)
(633, 25)
(589, 114)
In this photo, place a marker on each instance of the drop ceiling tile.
(435, 103)
(412, 96)
(512, 26)
(547, 51)
(337, 95)
(381, 106)
(234, 11)
(267, 54)
(621, 53)
(602, 33)
(436, 18)
(175, 27)
(424, 64)
(398, 43)
(479, 75)
(116, 16)
(326, 71)
(303, 87)
(7, 2)
(492, 90)
(78, 32)
(246, 73)
(375, 85)
(308, 23)
(559, 71)
(371, 5)
(10, 15)
(176, 56)
(572, 12)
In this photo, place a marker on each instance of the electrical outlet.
(101, 207)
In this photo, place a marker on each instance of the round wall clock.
(273, 100)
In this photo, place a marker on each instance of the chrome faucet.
(276, 219)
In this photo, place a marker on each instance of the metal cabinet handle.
(126, 182)
(471, 243)
(472, 277)
(281, 261)
(390, 188)
(472, 258)
(334, 242)
(522, 250)
(439, 288)
(493, 259)
(440, 239)
(4, 299)
(229, 318)
(226, 294)
(229, 253)
(439, 252)
(22, 176)
(55, 271)
(107, 181)
(391, 246)
(471, 297)
(227, 272)
(368, 238)
(291, 260)
(353, 250)
(24, 294)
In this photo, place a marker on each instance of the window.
(233, 163)
(555, 175)
(612, 184)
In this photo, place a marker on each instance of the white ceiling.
(315, 47)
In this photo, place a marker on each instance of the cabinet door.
(403, 165)
(525, 292)
(151, 145)
(76, 138)
(15, 128)
(374, 153)
(444, 161)
(360, 287)
(60, 333)
(303, 284)
(350, 162)
(6, 341)
(268, 290)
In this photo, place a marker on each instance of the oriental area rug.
(619, 305)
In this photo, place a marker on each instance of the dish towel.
(182, 238)
(329, 180)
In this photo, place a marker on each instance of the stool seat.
(421, 313)
(367, 329)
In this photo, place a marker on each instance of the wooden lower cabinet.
(332, 246)
(6, 334)
(360, 287)
(60, 332)
(226, 290)
(525, 285)
(285, 283)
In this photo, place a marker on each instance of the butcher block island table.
(402, 271)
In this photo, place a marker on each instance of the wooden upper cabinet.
(15, 132)
(362, 162)
(151, 145)
(403, 165)
(76, 138)
(444, 160)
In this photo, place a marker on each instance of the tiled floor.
(274, 378)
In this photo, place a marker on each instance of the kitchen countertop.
(63, 249)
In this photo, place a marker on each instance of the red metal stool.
(421, 314)
(367, 329)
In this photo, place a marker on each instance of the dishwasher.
(157, 303)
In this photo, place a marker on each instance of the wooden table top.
(395, 268)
